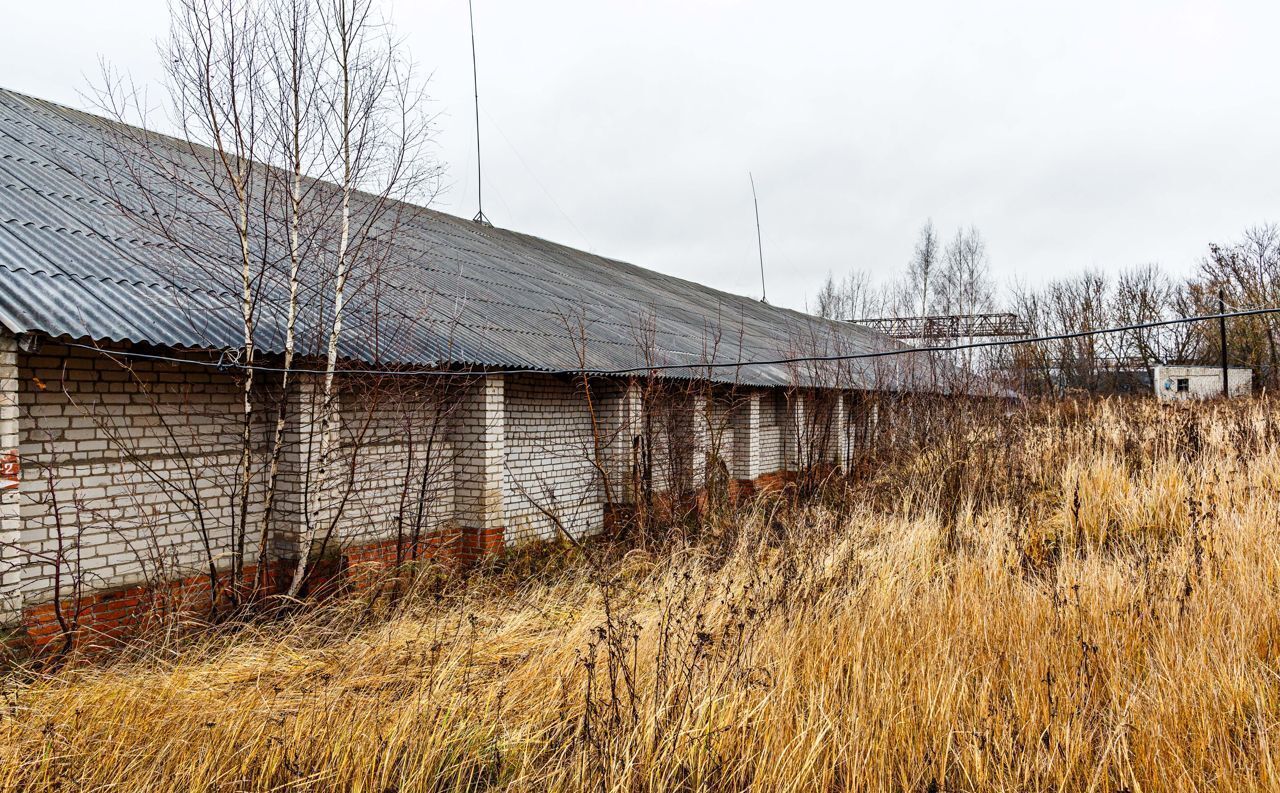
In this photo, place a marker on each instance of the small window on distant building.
(1184, 385)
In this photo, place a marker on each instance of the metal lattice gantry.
(948, 326)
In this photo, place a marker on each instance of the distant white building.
(1175, 383)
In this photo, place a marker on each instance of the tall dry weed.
(1080, 596)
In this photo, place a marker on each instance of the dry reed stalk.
(1078, 597)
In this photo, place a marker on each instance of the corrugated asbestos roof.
(77, 262)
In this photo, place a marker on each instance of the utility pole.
(1222, 340)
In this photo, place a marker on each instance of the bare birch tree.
(373, 125)
(212, 57)
(291, 72)
(302, 135)
(916, 294)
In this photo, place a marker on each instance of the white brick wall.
(550, 476)
(822, 429)
(132, 475)
(144, 467)
(775, 424)
(395, 462)
(675, 436)
(721, 439)
(620, 418)
(126, 476)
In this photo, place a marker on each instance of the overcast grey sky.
(1073, 135)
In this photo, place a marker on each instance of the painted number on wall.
(9, 469)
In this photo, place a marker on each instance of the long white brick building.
(494, 388)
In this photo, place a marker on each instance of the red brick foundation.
(774, 482)
(106, 618)
(362, 564)
(103, 619)
(619, 517)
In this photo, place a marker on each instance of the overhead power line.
(223, 363)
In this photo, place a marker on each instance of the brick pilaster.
(621, 417)
(11, 566)
(840, 430)
(746, 438)
(796, 438)
(302, 498)
(478, 433)
(699, 426)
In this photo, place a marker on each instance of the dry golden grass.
(1078, 597)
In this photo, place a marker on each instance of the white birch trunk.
(330, 408)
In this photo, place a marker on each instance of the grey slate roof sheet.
(75, 264)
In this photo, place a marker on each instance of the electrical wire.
(535, 178)
(224, 364)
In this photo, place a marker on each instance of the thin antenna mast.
(475, 85)
(764, 297)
